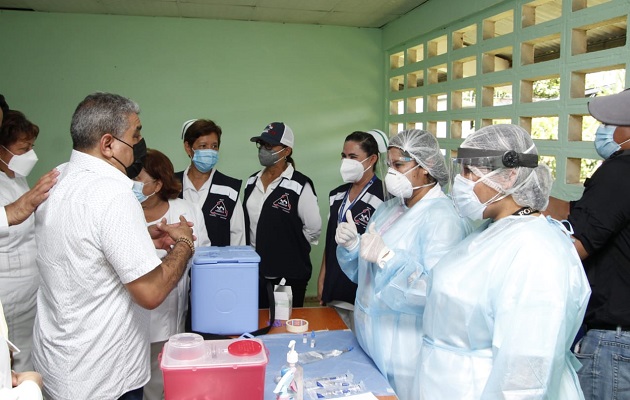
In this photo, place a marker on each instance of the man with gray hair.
(99, 270)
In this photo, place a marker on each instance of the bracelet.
(188, 242)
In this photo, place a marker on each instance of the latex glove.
(373, 247)
(346, 234)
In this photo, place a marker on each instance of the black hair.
(15, 126)
(202, 127)
(365, 141)
(3, 105)
(290, 159)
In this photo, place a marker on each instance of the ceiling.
(352, 13)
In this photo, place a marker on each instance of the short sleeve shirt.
(601, 221)
(91, 339)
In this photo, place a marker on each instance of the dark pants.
(135, 394)
(298, 288)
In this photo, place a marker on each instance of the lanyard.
(525, 211)
(341, 215)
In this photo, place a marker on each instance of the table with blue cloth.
(355, 361)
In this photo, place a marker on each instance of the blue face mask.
(205, 159)
(138, 190)
(605, 144)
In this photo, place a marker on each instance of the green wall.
(561, 127)
(325, 82)
(432, 15)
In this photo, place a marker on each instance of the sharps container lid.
(245, 348)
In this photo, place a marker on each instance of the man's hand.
(557, 209)
(22, 208)
(164, 235)
(150, 290)
(19, 377)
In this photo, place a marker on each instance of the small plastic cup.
(186, 346)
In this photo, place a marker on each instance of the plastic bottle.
(291, 384)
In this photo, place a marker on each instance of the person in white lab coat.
(157, 188)
(25, 385)
(504, 305)
(406, 237)
(19, 277)
(19, 385)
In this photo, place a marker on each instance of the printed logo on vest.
(219, 210)
(283, 203)
(363, 217)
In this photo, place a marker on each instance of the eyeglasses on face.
(143, 182)
(267, 146)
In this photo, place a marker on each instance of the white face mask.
(22, 164)
(398, 184)
(352, 170)
(466, 201)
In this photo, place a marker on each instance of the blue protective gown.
(390, 300)
(502, 311)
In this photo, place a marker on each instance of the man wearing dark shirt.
(601, 223)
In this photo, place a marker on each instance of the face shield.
(505, 158)
(496, 169)
(483, 162)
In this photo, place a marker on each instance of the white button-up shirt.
(237, 220)
(308, 210)
(91, 340)
(27, 390)
(4, 222)
(19, 277)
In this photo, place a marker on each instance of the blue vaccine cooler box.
(224, 290)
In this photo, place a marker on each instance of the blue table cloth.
(354, 361)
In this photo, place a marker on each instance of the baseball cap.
(276, 133)
(613, 109)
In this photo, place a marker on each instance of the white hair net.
(532, 186)
(423, 147)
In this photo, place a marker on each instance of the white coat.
(390, 300)
(19, 276)
(168, 318)
(502, 310)
(28, 389)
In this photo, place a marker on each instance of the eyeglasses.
(145, 183)
(391, 162)
(267, 146)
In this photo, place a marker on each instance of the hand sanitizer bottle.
(291, 384)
